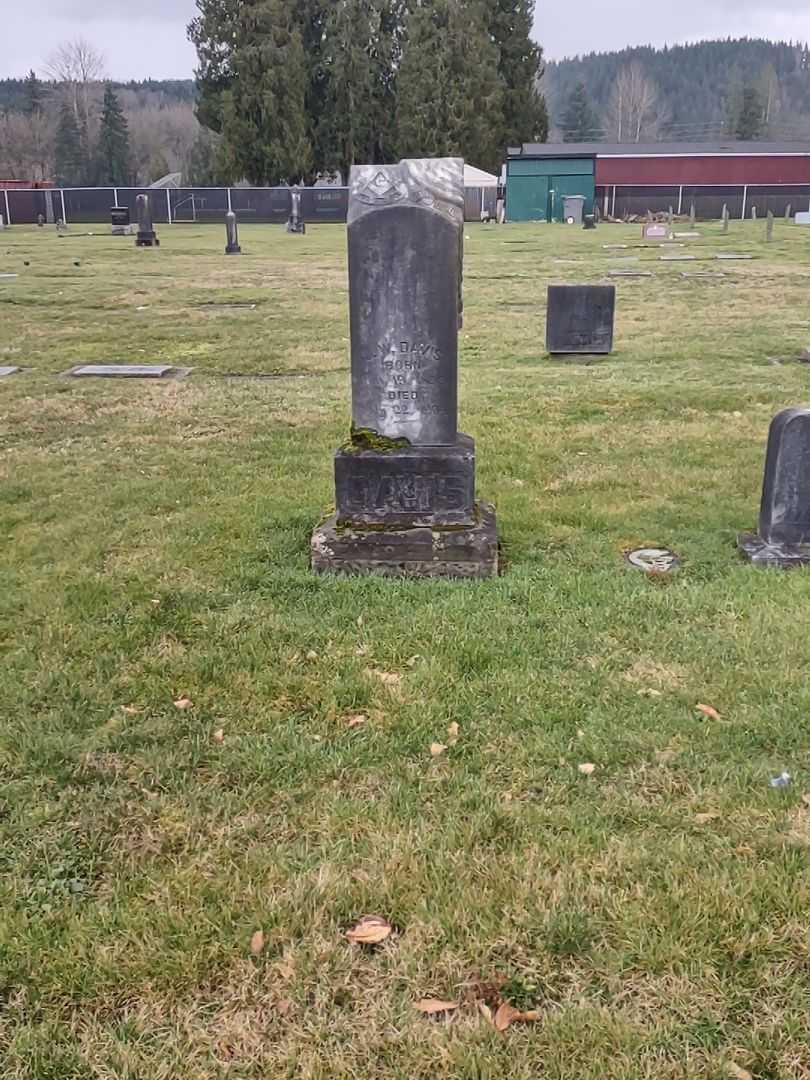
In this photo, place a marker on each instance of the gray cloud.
(148, 37)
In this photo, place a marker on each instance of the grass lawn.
(154, 548)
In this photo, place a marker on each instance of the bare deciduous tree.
(78, 67)
(632, 113)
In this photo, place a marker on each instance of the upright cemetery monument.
(231, 235)
(146, 235)
(405, 479)
(783, 538)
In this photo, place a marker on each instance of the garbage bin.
(573, 209)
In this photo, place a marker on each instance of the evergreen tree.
(520, 65)
(32, 94)
(450, 95)
(112, 153)
(264, 117)
(579, 122)
(751, 118)
(71, 163)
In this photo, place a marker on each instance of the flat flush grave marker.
(653, 560)
(5, 371)
(122, 371)
(580, 319)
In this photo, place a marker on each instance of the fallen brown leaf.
(709, 711)
(183, 703)
(704, 819)
(312, 655)
(257, 942)
(507, 1014)
(356, 721)
(432, 1006)
(370, 930)
(219, 735)
(437, 748)
(130, 710)
(587, 768)
(738, 1073)
(391, 679)
(283, 1007)
(649, 692)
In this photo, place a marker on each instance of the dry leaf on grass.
(737, 1072)
(356, 721)
(130, 710)
(709, 711)
(704, 819)
(370, 930)
(649, 692)
(507, 1014)
(437, 748)
(219, 735)
(485, 1011)
(587, 768)
(283, 1007)
(257, 942)
(452, 734)
(433, 1006)
(312, 655)
(391, 679)
(183, 703)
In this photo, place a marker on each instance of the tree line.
(293, 89)
(743, 89)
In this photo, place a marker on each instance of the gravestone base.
(406, 486)
(400, 551)
(780, 556)
(233, 249)
(147, 239)
(297, 227)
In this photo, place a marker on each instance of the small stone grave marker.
(802, 217)
(122, 371)
(731, 257)
(677, 258)
(783, 538)
(687, 235)
(653, 560)
(580, 319)
(655, 232)
(725, 218)
(6, 276)
(630, 273)
(5, 371)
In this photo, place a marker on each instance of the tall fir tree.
(450, 94)
(360, 55)
(751, 117)
(520, 65)
(32, 94)
(112, 152)
(579, 122)
(70, 159)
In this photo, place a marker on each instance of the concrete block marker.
(127, 371)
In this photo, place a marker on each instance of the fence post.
(169, 205)
(680, 200)
(8, 212)
(62, 197)
(229, 200)
(613, 211)
(115, 195)
(745, 201)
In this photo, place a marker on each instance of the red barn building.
(635, 178)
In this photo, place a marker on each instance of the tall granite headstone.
(405, 480)
(146, 235)
(296, 224)
(231, 235)
(783, 538)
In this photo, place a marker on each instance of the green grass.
(154, 544)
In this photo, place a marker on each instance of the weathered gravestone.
(405, 481)
(119, 220)
(769, 228)
(579, 319)
(753, 213)
(654, 232)
(146, 235)
(692, 214)
(788, 211)
(783, 539)
(231, 235)
(725, 218)
(40, 221)
(6, 370)
(296, 224)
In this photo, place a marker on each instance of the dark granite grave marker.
(783, 539)
(119, 220)
(405, 481)
(580, 319)
(296, 222)
(146, 236)
(232, 235)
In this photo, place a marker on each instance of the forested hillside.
(689, 91)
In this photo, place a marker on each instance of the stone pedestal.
(405, 481)
(146, 235)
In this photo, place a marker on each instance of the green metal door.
(527, 198)
(570, 185)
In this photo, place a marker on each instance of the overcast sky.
(153, 41)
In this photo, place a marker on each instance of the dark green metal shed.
(536, 186)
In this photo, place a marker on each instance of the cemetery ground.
(214, 763)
